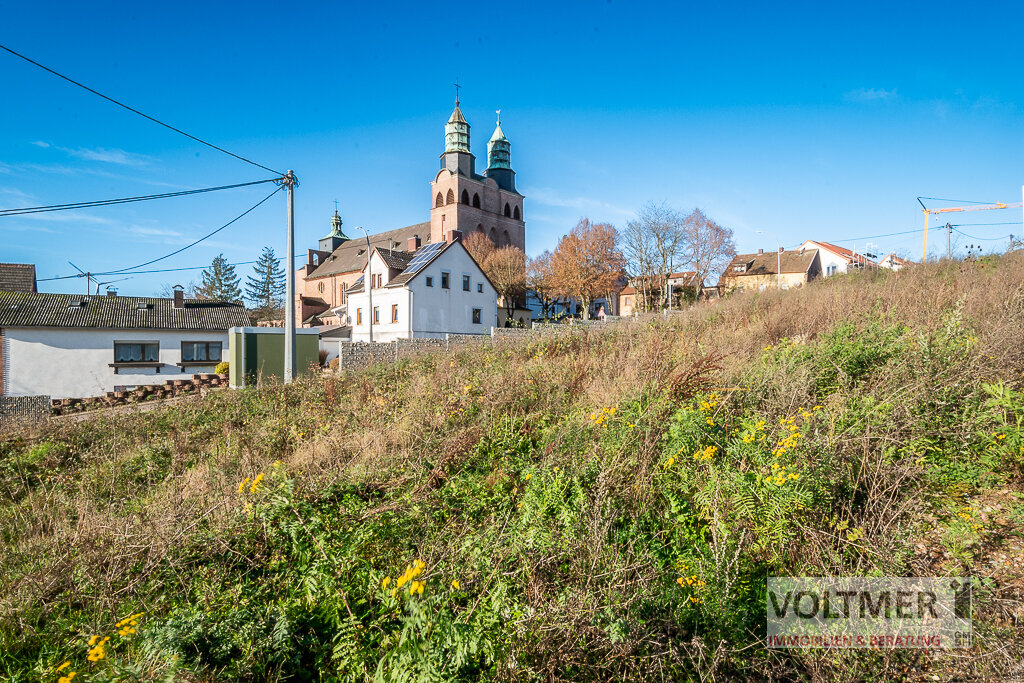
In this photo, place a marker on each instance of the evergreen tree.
(265, 289)
(220, 282)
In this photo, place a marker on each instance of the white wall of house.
(831, 262)
(75, 362)
(426, 311)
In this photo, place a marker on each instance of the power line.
(136, 111)
(962, 225)
(958, 201)
(983, 239)
(208, 235)
(158, 270)
(124, 200)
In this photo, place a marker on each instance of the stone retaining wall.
(151, 392)
(23, 409)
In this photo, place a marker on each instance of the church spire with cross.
(457, 156)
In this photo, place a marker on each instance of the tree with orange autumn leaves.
(587, 264)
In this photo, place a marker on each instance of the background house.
(762, 270)
(426, 291)
(73, 346)
(835, 259)
(17, 277)
(894, 262)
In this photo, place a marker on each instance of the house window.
(136, 352)
(200, 351)
(465, 283)
(359, 316)
(376, 315)
(430, 281)
(476, 315)
(445, 280)
(394, 313)
(320, 286)
(480, 287)
(376, 281)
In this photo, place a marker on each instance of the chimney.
(111, 292)
(179, 296)
(760, 251)
(454, 236)
(414, 243)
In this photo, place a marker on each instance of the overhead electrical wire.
(125, 200)
(206, 236)
(159, 270)
(136, 111)
(982, 239)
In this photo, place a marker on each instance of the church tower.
(335, 238)
(467, 202)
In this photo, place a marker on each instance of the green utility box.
(257, 353)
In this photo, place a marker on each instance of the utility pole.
(289, 181)
(368, 281)
(949, 252)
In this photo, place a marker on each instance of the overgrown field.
(595, 505)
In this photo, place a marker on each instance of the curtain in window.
(127, 353)
(135, 353)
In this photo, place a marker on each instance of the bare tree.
(506, 269)
(654, 246)
(587, 263)
(709, 246)
(639, 252)
(540, 279)
(166, 290)
(479, 246)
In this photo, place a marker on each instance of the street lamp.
(778, 268)
(368, 282)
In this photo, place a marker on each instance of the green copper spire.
(336, 227)
(456, 131)
(499, 154)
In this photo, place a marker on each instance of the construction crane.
(980, 207)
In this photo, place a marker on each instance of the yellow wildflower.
(385, 582)
(245, 482)
(256, 482)
(64, 665)
(527, 477)
(455, 584)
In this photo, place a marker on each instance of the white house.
(73, 346)
(893, 262)
(427, 291)
(835, 259)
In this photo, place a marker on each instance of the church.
(461, 201)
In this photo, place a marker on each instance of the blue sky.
(808, 121)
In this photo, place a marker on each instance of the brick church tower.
(468, 202)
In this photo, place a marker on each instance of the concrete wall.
(72, 363)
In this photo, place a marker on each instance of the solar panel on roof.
(422, 257)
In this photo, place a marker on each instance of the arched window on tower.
(439, 200)
(476, 201)
(508, 240)
(494, 236)
(508, 210)
(465, 197)
(450, 199)
(516, 214)
(479, 228)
